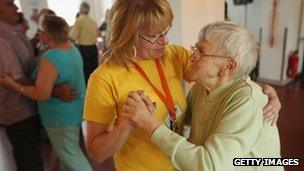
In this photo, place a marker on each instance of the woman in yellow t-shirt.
(138, 58)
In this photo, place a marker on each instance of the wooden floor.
(291, 121)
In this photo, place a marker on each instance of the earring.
(135, 52)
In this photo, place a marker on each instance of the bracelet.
(21, 90)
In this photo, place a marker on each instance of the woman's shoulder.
(176, 55)
(52, 53)
(108, 71)
(196, 91)
(197, 88)
(61, 52)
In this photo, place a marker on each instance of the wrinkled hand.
(139, 110)
(64, 92)
(271, 110)
(7, 81)
(136, 110)
(151, 106)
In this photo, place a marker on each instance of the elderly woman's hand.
(140, 111)
(271, 110)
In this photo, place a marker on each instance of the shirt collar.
(217, 92)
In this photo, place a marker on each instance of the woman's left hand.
(7, 81)
(271, 110)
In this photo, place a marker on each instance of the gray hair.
(234, 41)
(84, 8)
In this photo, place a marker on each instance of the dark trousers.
(90, 59)
(25, 139)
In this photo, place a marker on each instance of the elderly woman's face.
(152, 42)
(206, 64)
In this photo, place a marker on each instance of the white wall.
(259, 15)
(271, 58)
(248, 16)
(66, 9)
(175, 34)
(27, 9)
(96, 10)
(236, 13)
(190, 16)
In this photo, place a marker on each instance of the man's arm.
(64, 92)
(41, 90)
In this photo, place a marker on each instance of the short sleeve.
(75, 31)
(9, 62)
(100, 105)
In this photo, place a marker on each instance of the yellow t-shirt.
(106, 94)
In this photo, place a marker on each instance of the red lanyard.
(167, 98)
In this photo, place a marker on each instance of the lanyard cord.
(167, 98)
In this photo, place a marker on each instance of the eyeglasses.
(153, 39)
(197, 52)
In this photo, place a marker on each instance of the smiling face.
(152, 41)
(224, 51)
(206, 64)
(8, 12)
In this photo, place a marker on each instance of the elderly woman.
(61, 119)
(225, 106)
(138, 57)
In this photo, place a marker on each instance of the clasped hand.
(139, 111)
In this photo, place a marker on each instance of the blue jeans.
(65, 143)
